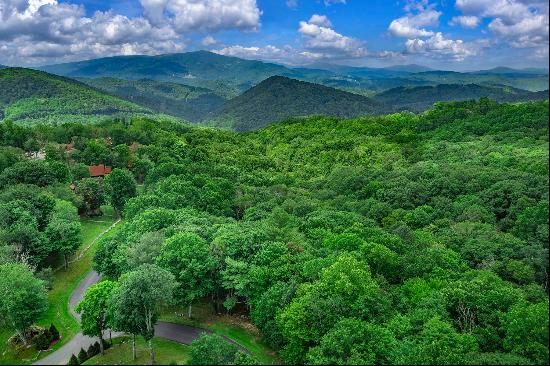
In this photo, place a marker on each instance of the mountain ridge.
(28, 96)
(278, 98)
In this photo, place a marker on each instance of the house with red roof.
(99, 170)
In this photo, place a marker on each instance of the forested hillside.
(28, 96)
(397, 239)
(418, 99)
(201, 68)
(278, 98)
(232, 75)
(187, 102)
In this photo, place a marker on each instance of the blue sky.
(446, 34)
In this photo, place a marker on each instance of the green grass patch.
(166, 352)
(63, 285)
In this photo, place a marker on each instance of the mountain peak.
(278, 98)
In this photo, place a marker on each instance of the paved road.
(174, 332)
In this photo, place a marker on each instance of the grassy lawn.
(166, 353)
(237, 328)
(58, 297)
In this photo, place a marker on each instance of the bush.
(73, 360)
(82, 356)
(46, 275)
(106, 345)
(42, 341)
(93, 350)
(54, 333)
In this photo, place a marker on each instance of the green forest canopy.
(401, 239)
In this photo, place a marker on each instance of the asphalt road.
(174, 332)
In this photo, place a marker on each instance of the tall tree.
(93, 195)
(121, 186)
(139, 297)
(63, 230)
(23, 298)
(187, 257)
(93, 307)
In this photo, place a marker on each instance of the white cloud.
(419, 15)
(320, 20)
(320, 38)
(285, 55)
(209, 41)
(42, 31)
(439, 46)
(203, 15)
(466, 21)
(522, 23)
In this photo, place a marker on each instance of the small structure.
(69, 147)
(99, 170)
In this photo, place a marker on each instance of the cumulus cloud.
(319, 37)
(419, 15)
(209, 41)
(522, 23)
(466, 21)
(41, 31)
(203, 15)
(422, 41)
(285, 55)
(439, 46)
(320, 20)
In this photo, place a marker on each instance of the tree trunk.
(22, 336)
(189, 311)
(151, 354)
(101, 344)
(110, 337)
(133, 347)
(66, 261)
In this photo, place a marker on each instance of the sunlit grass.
(166, 352)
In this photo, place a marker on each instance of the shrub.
(82, 356)
(93, 350)
(42, 341)
(73, 360)
(106, 345)
(54, 333)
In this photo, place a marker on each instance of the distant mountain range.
(278, 98)
(420, 98)
(232, 76)
(211, 89)
(204, 69)
(30, 96)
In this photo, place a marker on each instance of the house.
(99, 170)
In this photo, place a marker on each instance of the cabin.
(99, 170)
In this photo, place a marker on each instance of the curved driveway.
(174, 332)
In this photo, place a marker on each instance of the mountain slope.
(278, 98)
(29, 96)
(199, 68)
(420, 98)
(187, 102)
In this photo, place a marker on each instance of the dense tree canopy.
(410, 239)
